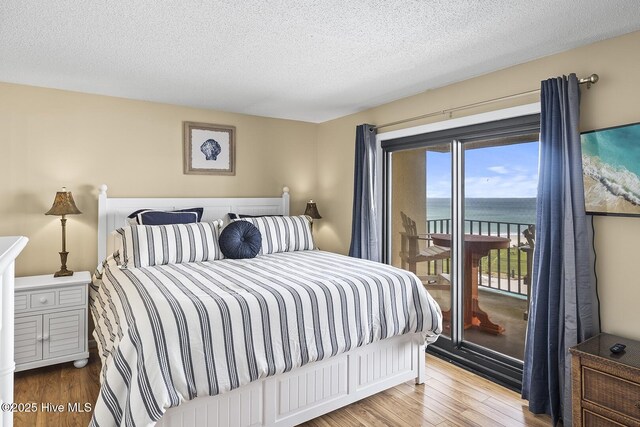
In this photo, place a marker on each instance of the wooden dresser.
(606, 386)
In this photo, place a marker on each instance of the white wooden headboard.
(113, 212)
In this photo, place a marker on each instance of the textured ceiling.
(303, 60)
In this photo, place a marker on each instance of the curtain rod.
(592, 79)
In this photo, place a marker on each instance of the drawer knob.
(43, 300)
(39, 337)
(45, 337)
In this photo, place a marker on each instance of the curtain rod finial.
(592, 79)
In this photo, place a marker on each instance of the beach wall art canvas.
(611, 169)
(209, 149)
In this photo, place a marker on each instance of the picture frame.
(209, 149)
(611, 170)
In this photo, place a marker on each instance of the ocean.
(611, 158)
(505, 210)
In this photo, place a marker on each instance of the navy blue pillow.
(238, 216)
(240, 240)
(198, 211)
(166, 218)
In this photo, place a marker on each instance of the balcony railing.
(502, 269)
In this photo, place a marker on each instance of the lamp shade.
(312, 210)
(63, 204)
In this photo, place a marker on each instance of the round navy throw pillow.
(240, 239)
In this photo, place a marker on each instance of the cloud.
(520, 185)
(501, 186)
(499, 169)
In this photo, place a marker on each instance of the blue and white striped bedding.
(169, 333)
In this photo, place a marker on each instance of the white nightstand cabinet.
(51, 320)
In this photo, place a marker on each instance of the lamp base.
(63, 268)
(63, 273)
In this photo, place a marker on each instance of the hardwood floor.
(450, 397)
(57, 385)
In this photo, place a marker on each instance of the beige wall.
(613, 101)
(51, 138)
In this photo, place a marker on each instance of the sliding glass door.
(460, 214)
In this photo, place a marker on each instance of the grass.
(506, 261)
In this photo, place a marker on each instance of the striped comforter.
(169, 333)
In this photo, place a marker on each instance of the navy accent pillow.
(166, 218)
(197, 211)
(240, 240)
(238, 216)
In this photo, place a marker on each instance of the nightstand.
(606, 386)
(51, 320)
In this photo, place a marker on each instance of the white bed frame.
(285, 399)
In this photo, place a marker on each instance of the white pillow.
(283, 233)
(148, 245)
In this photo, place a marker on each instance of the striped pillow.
(283, 233)
(148, 245)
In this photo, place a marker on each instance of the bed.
(273, 340)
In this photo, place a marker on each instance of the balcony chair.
(411, 253)
(530, 235)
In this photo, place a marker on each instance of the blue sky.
(506, 171)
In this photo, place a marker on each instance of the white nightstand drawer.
(31, 301)
(21, 302)
(40, 300)
(71, 296)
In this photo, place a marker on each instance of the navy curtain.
(365, 239)
(564, 308)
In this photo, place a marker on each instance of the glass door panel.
(500, 186)
(420, 197)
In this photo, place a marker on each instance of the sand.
(599, 200)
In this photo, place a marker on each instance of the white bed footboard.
(309, 391)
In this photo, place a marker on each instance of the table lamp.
(312, 211)
(63, 205)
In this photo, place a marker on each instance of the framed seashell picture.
(209, 149)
